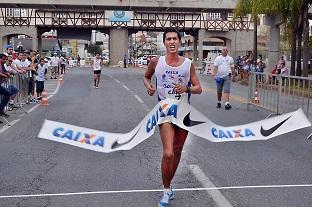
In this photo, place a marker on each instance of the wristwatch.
(188, 89)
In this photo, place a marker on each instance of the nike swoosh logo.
(268, 132)
(189, 123)
(116, 145)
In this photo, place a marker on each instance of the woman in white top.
(97, 67)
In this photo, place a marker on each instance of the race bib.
(170, 93)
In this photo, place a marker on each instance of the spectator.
(284, 69)
(78, 60)
(63, 64)
(11, 70)
(40, 78)
(125, 61)
(5, 92)
(10, 51)
(31, 75)
(260, 64)
(22, 63)
(223, 73)
(55, 61)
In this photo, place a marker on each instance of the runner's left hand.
(179, 88)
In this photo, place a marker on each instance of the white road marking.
(215, 194)
(33, 108)
(139, 99)
(156, 190)
(133, 93)
(5, 127)
(126, 87)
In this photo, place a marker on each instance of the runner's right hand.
(150, 90)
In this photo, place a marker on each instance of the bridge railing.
(280, 93)
(216, 21)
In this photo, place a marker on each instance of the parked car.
(105, 60)
(142, 61)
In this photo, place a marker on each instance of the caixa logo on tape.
(164, 110)
(80, 137)
(235, 133)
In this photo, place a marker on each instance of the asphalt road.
(32, 166)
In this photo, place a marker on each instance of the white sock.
(226, 103)
(167, 190)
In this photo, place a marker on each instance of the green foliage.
(94, 48)
(310, 44)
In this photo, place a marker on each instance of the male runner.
(174, 75)
(97, 67)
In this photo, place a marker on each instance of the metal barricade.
(20, 81)
(280, 93)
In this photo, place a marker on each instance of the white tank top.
(167, 75)
(97, 64)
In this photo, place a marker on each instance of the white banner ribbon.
(180, 114)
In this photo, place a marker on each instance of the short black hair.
(2, 55)
(171, 30)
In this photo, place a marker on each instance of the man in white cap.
(55, 61)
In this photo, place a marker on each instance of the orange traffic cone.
(61, 80)
(257, 99)
(44, 100)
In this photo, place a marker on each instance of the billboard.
(119, 16)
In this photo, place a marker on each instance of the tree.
(94, 48)
(294, 24)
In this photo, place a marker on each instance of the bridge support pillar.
(3, 43)
(7, 31)
(201, 36)
(274, 41)
(195, 51)
(39, 44)
(118, 45)
(228, 44)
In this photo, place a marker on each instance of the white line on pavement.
(216, 195)
(126, 87)
(134, 94)
(139, 99)
(116, 80)
(4, 128)
(156, 190)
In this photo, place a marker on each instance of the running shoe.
(218, 105)
(172, 194)
(167, 196)
(227, 106)
(4, 114)
(33, 101)
(11, 107)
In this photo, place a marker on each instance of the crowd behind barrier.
(280, 93)
(21, 82)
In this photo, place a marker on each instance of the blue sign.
(119, 16)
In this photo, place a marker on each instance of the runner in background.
(97, 63)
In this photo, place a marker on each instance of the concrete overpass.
(200, 18)
(120, 24)
(128, 5)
